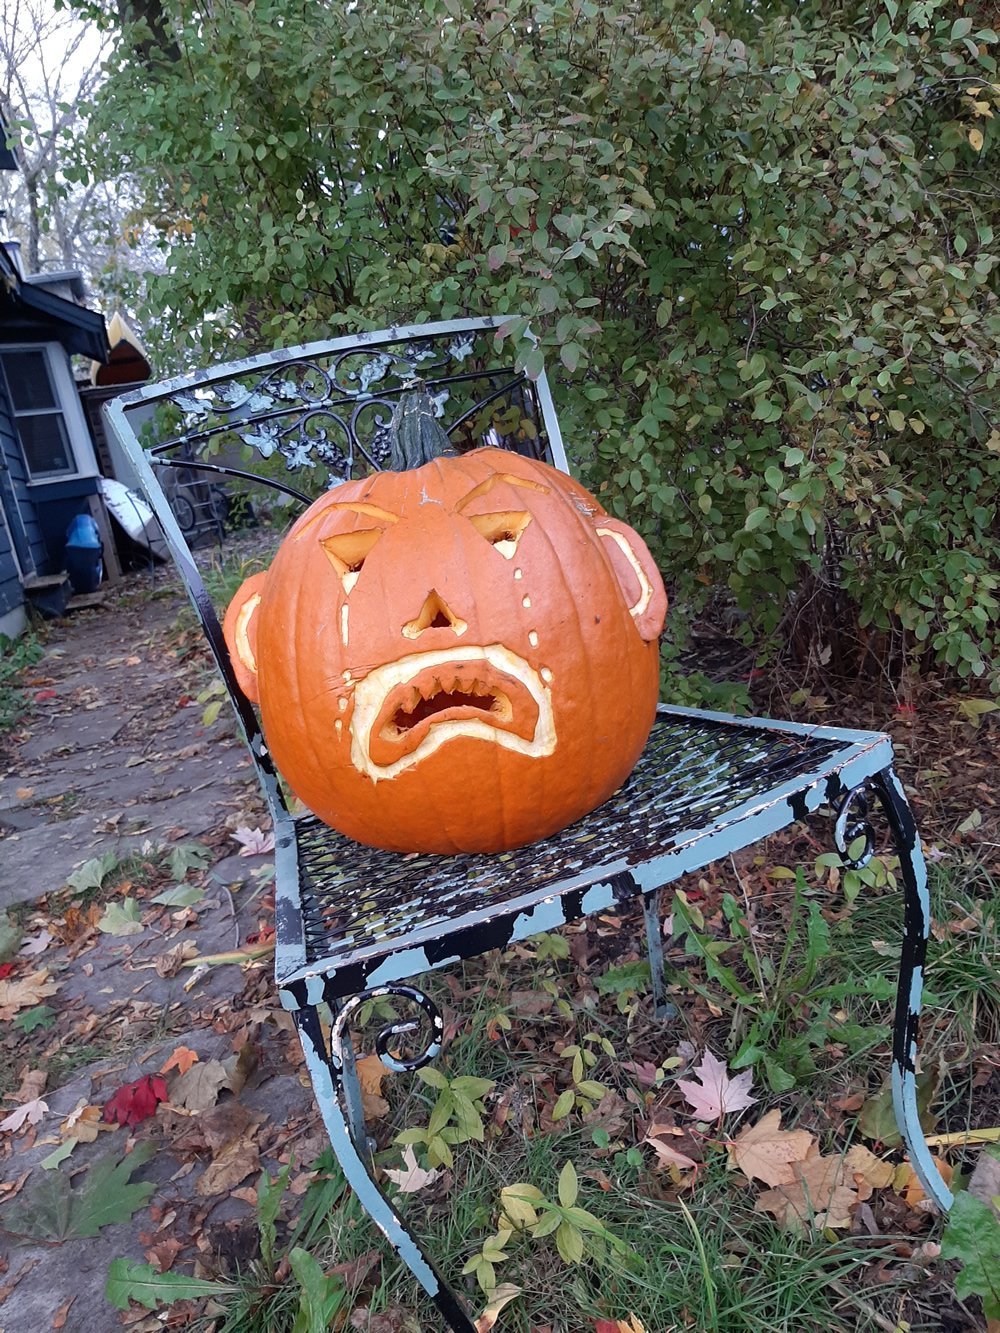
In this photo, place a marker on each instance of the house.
(48, 468)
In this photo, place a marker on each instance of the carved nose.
(434, 614)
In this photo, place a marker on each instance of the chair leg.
(654, 946)
(329, 1086)
(916, 925)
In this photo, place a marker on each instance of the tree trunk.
(34, 262)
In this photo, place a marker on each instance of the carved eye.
(503, 531)
(348, 552)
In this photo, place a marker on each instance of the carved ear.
(240, 629)
(638, 576)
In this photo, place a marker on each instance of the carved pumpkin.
(459, 656)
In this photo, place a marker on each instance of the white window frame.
(68, 404)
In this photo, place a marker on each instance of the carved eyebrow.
(486, 486)
(350, 506)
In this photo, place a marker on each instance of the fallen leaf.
(30, 1113)
(136, 1101)
(32, 1085)
(867, 1171)
(26, 993)
(83, 1122)
(170, 963)
(58, 1155)
(181, 1060)
(199, 1088)
(984, 1183)
(393, 1320)
(818, 1194)
(411, 1177)
(502, 1295)
(121, 919)
(230, 1168)
(181, 895)
(55, 1210)
(59, 1318)
(163, 1253)
(25, 793)
(766, 1152)
(12, 1282)
(253, 842)
(716, 1093)
(371, 1074)
(37, 945)
(907, 1183)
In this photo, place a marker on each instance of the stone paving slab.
(115, 754)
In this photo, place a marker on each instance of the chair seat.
(706, 785)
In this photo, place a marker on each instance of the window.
(40, 421)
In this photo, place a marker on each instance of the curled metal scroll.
(851, 825)
(386, 1034)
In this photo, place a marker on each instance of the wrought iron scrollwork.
(387, 1034)
(851, 825)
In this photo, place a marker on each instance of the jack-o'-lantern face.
(461, 657)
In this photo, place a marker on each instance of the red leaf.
(45, 694)
(605, 1326)
(5, 970)
(136, 1101)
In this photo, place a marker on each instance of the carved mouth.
(405, 710)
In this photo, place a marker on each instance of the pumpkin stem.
(416, 437)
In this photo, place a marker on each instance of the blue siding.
(12, 480)
(17, 476)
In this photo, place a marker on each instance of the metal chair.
(353, 923)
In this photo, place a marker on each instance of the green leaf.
(564, 1104)
(569, 1186)
(142, 1283)
(121, 918)
(269, 1195)
(185, 856)
(320, 1297)
(181, 895)
(973, 1236)
(39, 1017)
(473, 1088)
(92, 874)
(211, 712)
(433, 1077)
(55, 1211)
(58, 1155)
(569, 1243)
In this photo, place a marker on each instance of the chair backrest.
(316, 416)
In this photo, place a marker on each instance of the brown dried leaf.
(59, 1318)
(230, 1168)
(26, 993)
(199, 1088)
(609, 1114)
(21, 1273)
(170, 963)
(766, 1152)
(163, 1252)
(867, 1171)
(818, 1193)
(371, 1074)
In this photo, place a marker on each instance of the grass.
(694, 1255)
(16, 657)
